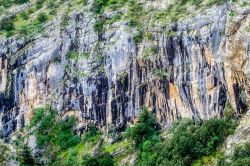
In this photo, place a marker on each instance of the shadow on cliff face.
(240, 98)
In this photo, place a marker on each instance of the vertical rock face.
(189, 74)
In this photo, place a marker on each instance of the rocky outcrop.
(240, 136)
(106, 79)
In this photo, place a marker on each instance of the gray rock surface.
(199, 68)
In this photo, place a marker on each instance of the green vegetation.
(42, 17)
(248, 28)
(161, 73)
(74, 55)
(150, 52)
(186, 142)
(135, 11)
(241, 155)
(146, 128)
(92, 133)
(229, 113)
(231, 14)
(61, 146)
(51, 133)
(7, 24)
(25, 157)
(191, 141)
(122, 76)
(98, 7)
(9, 3)
(135, 16)
(39, 4)
(138, 37)
(23, 23)
(99, 25)
(5, 152)
(104, 159)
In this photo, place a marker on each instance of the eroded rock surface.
(191, 73)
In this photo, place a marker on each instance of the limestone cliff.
(188, 68)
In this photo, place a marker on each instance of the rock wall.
(192, 73)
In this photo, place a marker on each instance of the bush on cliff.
(145, 128)
(9, 3)
(186, 142)
(7, 24)
(25, 157)
(191, 141)
(42, 17)
(5, 153)
(51, 132)
(92, 133)
(104, 159)
(241, 155)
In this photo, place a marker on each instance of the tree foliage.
(240, 157)
(104, 159)
(146, 128)
(187, 140)
(25, 157)
(53, 134)
(5, 153)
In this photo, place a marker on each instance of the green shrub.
(21, 1)
(149, 36)
(148, 155)
(31, 10)
(228, 111)
(144, 129)
(42, 17)
(150, 51)
(53, 12)
(72, 158)
(66, 138)
(122, 77)
(191, 141)
(161, 73)
(38, 115)
(98, 6)
(5, 152)
(99, 25)
(89, 161)
(138, 37)
(25, 157)
(248, 28)
(231, 14)
(104, 159)
(65, 21)
(73, 55)
(241, 155)
(52, 4)
(39, 4)
(135, 11)
(9, 3)
(92, 134)
(7, 24)
(187, 141)
(24, 15)
(31, 29)
(218, 2)
(53, 133)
